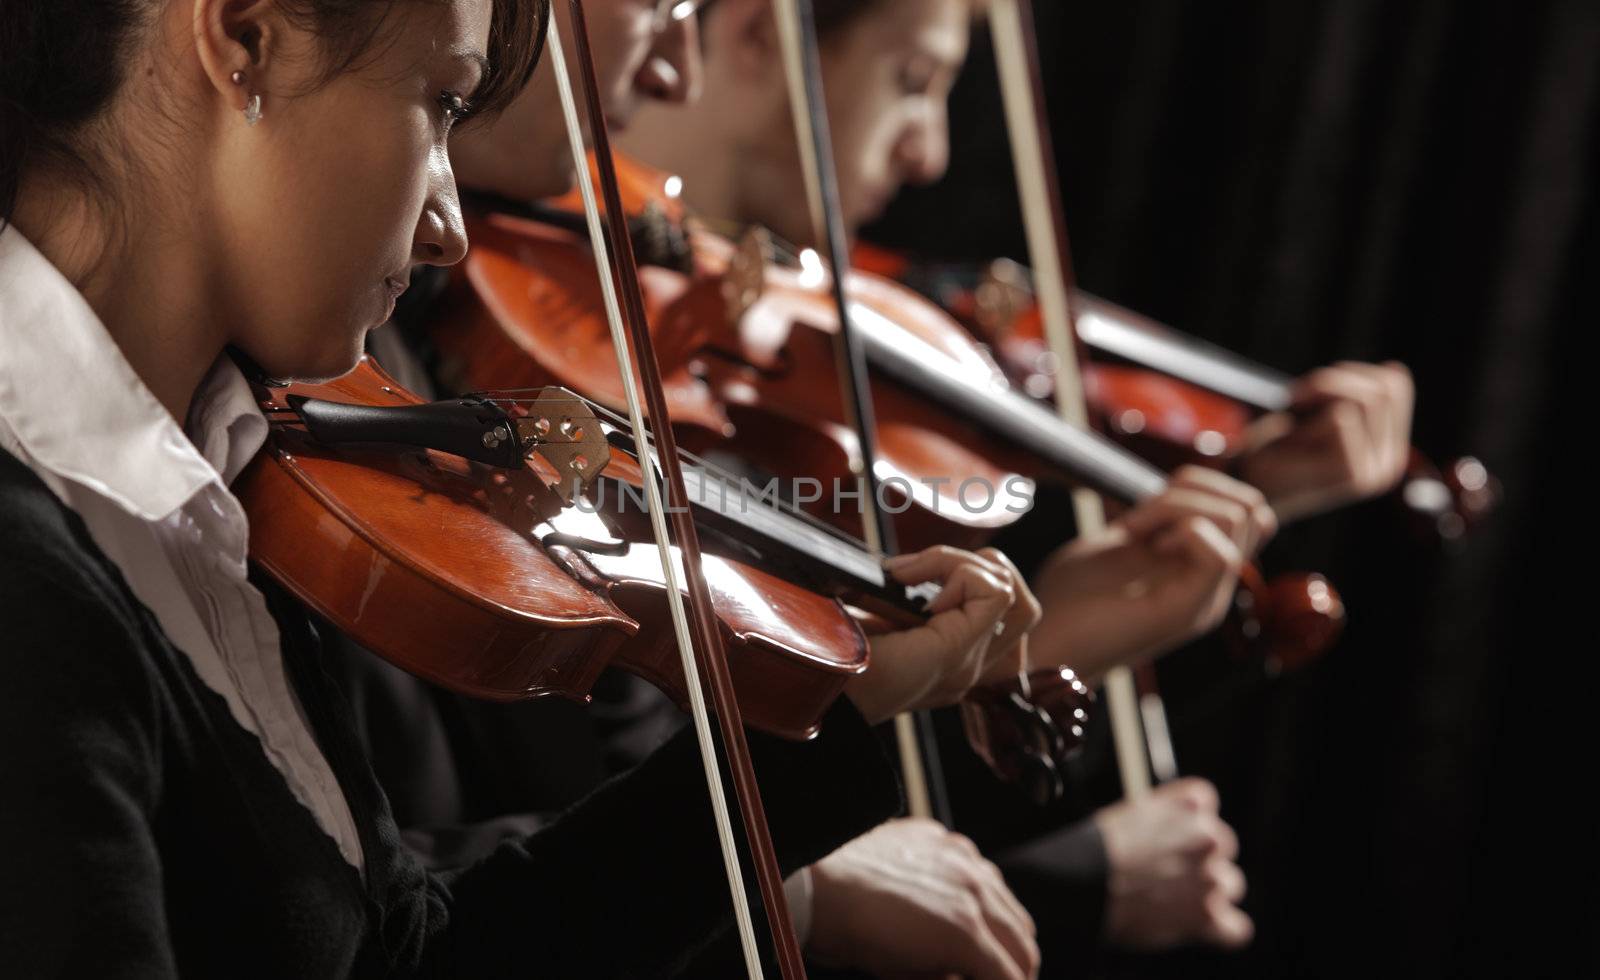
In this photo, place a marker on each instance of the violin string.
(722, 474)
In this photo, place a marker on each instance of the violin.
(497, 546)
(751, 371)
(461, 564)
(1174, 398)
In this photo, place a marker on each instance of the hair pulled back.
(63, 61)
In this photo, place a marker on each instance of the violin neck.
(1111, 329)
(745, 519)
(1084, 456)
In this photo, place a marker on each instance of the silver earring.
(252, 108)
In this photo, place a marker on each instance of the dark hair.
(61, 61)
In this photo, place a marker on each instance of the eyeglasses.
(669, 12)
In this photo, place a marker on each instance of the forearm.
(1092, 641)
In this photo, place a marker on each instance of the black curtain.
(1370, 179)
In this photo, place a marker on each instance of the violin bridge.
(746, 275)
(560, 427)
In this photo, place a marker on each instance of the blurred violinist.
(1163, 573)
(888, 70)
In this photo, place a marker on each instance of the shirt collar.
(80, 411)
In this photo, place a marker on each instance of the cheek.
(340, 216)
(365, 188)
(863, 125)
(868, 147)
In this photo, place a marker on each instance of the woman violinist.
(187, 797)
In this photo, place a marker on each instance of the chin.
(336, 364)
(311, 365)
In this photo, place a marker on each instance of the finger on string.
(1025, 611)
(1344, 385)
(1177, 504)
(974, 591)
(1202, 542)
(928, 565)
(1253, 500)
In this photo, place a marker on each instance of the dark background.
(1321, 179)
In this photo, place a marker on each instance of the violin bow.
(1135, 722)
(699, 637)
(919, 756)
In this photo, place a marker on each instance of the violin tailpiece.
(560, 427)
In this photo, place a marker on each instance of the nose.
(673, 71)
(923, 151)
(441, 235)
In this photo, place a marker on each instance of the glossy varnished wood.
(525, 309)
(441, 567)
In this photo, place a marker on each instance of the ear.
(743, 33)
(236, 36)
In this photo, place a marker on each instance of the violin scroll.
(1025, 730)
(1449, 502)
(1287, 622)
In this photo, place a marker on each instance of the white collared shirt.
(156, 501)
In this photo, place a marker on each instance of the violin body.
(525, 310)
(467, 575)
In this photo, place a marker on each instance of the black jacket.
(147, 835)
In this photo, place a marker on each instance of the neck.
(143, 277)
